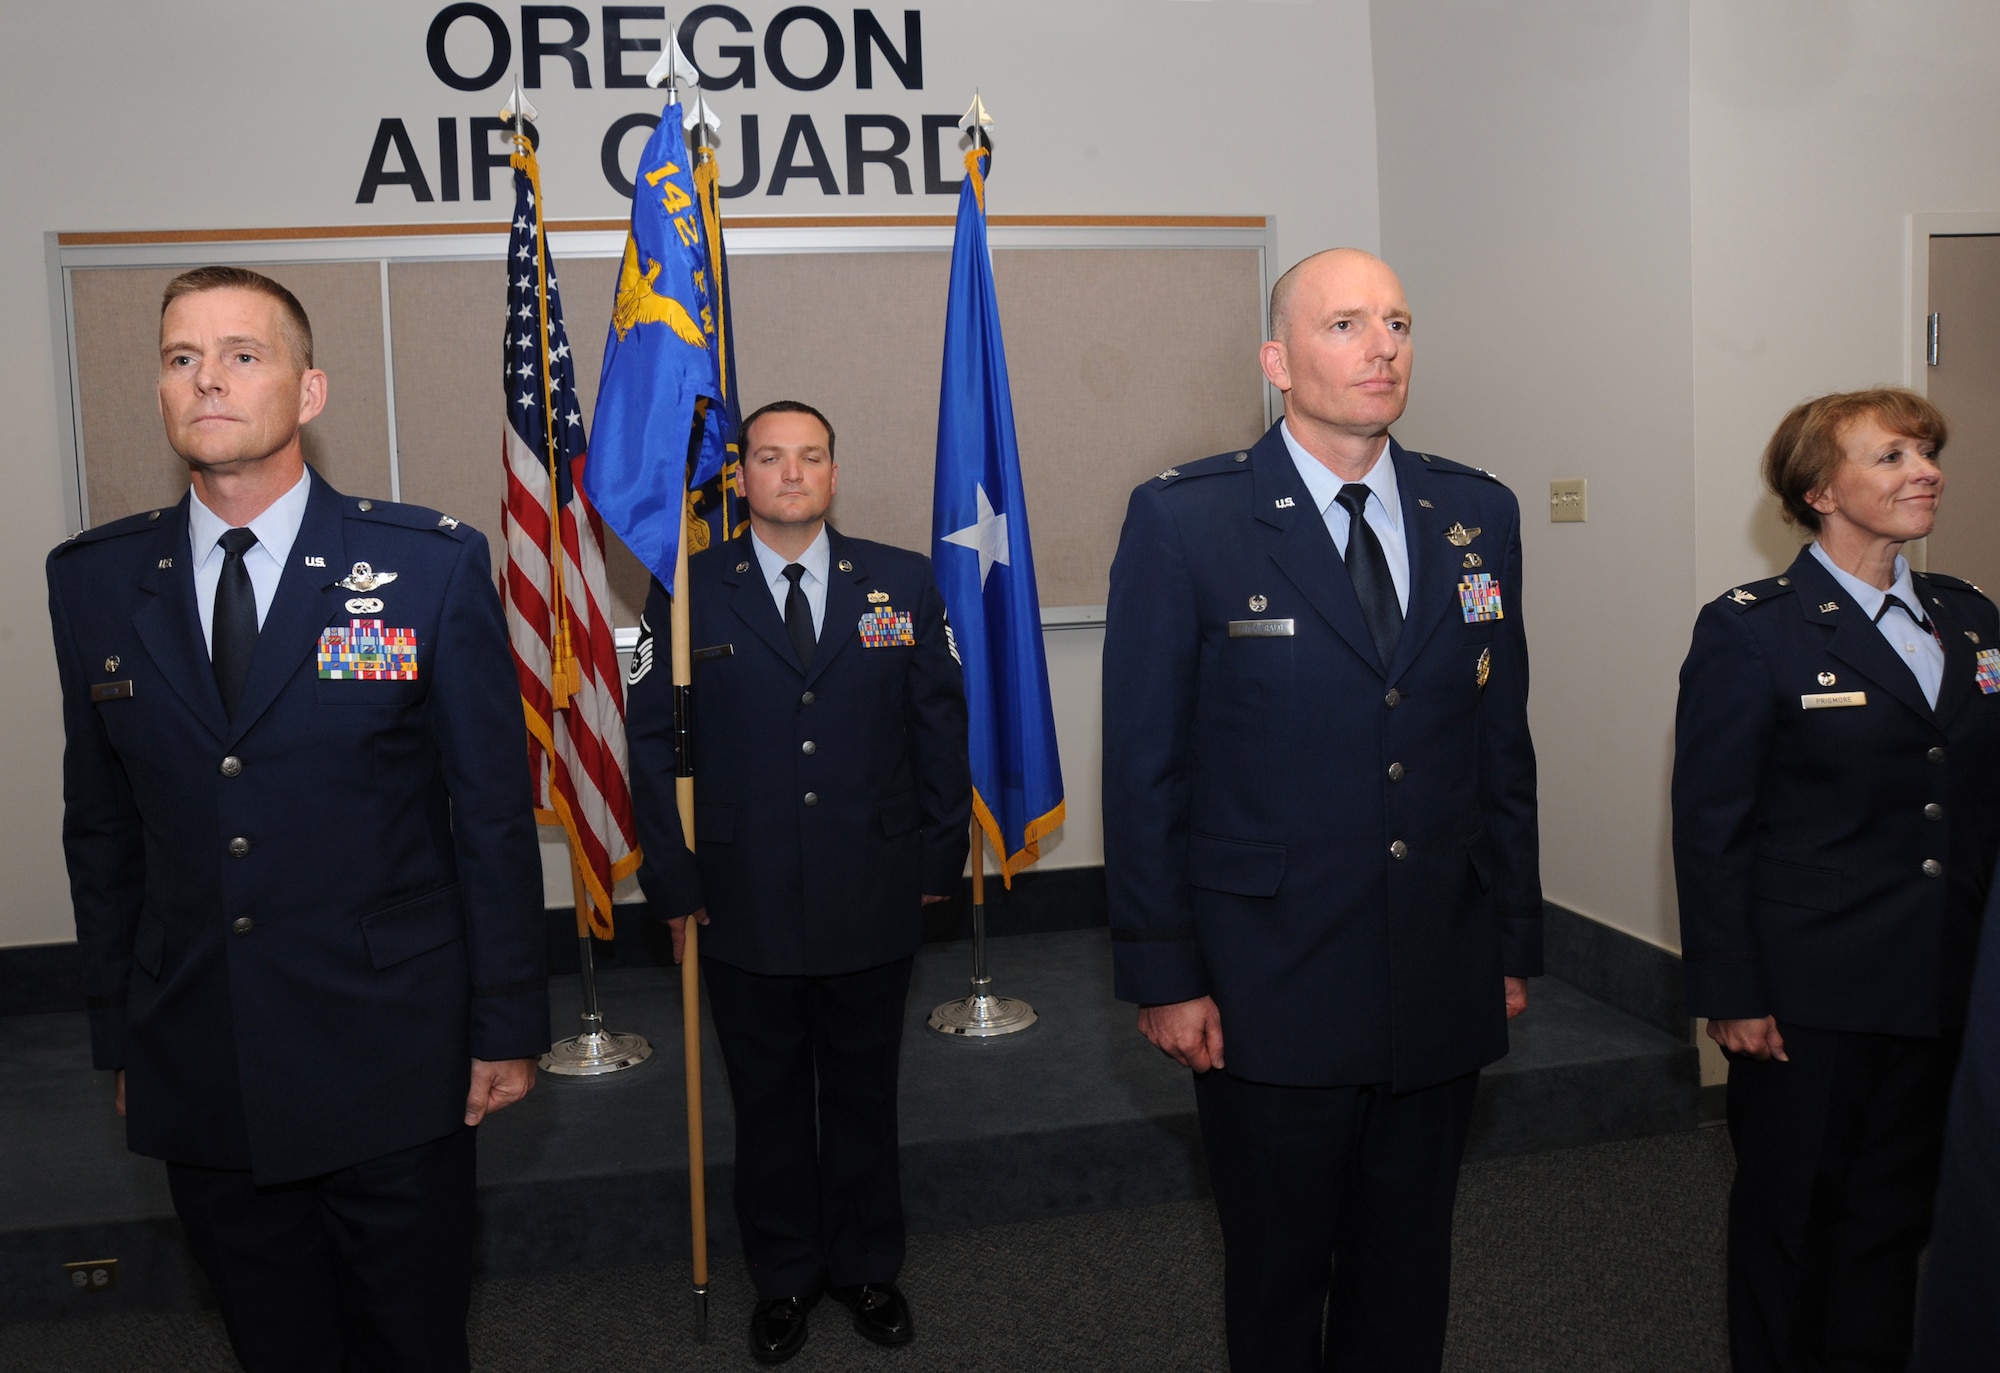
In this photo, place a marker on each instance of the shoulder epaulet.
(1751, 594)
(403, 516)
(112, 529)
(1438, 464)
(1238, 461)
(1951, 583)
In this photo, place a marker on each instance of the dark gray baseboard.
(1640, 979)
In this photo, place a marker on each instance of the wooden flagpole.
(683, 670)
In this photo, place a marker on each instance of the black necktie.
(233, 629)
(799, 616)
(1896, 602)
(1369, 569)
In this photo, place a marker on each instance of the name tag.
(1260, 629)
(702, 655)
(1826, 700)
(111, 691)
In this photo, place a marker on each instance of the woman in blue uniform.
(1836, 802)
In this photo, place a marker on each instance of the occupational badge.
(1485, 668)
(878, 598)
(365, 578)
(363, 650)
(1479, 598)
(1987, 669)
(364, 605)
(887, 627)
(1259, 604)
(1826, 679)
(846, 566)
(1474, 560)
(111, 663)
(1460, 536)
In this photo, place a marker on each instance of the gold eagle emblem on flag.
(638, 303)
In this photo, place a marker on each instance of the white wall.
(1534, 163)
(1817, 130)
(229, 113)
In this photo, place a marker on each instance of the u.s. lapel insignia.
(1424, 503)
(315, 562)
(164, 564)
(364, 605)
(1742, 597)
(111, 663)
(845, 566)
(1474, 560)
(1283, 503)
(1460, 536)
(878, 597)
(1258, 604)
(1827, 679)
(1485, 665)
(365, 578)
(1826, 607)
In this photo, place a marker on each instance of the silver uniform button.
(1393, 699)
(812, 798)
(231, 766)
(1933, 811)
(364, 505)
(806, 699)
(1936, 755)
(1399, 849)
(1933, 868)
(808, 747)
(243, 924)
(1395, 772)
(238, 846)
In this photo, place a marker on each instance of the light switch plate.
(1566, 501)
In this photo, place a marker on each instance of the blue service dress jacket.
(1834, 835)
(1342, 852)
(299, 924)
(828, 799)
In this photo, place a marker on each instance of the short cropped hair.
(785, 407)
(297, 329)
(1801, 457)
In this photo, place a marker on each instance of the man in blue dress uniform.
(1320, 837)
(832, 797)
(302, 855)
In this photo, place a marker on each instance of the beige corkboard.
(127, 465)
(1123, 361)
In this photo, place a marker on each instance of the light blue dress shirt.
(813, 560)
(276, 530)
(1384, 510)
(1918, 649)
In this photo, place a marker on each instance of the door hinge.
(1931, 339)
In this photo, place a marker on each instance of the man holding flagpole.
(824, 672)
(1320, 827)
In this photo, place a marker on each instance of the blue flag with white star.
(984, 564)
(661, 375)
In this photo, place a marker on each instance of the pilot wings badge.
(1460, 536)
(365, 578)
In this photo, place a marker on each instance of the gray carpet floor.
(1607, 1259)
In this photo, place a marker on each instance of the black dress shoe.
(880, 1312)
(777, 1329)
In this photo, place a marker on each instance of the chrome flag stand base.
(594, 1052)
(982, 1014)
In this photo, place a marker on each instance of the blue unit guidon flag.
(557, 599)
(985, 567)
(661, 372)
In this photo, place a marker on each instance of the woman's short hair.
(1801, 456)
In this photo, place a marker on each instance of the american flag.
(557, 603)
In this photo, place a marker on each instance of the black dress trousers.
(368, 1268)
(812, 1072)
(1360, 1173)
(1837, 1156)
